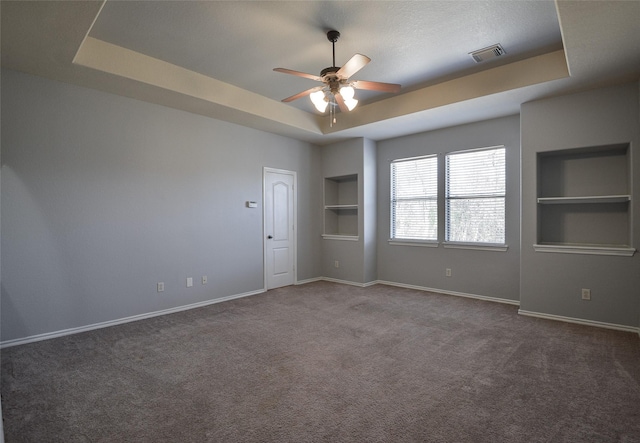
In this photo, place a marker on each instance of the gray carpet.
(324, 362)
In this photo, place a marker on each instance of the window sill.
(496, 247)
(409, 242)
(450, 245)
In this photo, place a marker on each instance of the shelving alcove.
(584, 201)
(341, 208)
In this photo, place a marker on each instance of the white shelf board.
(341, 207)
(340, 237)
(565, 248)
(584, 199)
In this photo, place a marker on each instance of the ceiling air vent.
(482, 55)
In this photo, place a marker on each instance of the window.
(475, 196)
(414, 198)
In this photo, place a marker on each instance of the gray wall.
(486, 273)
(551, 283)
(104, 196)
(369, 206)
(357, 258)
(339, 159)
(1, 421)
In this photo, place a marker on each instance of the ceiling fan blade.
(355, 63)
(302, 94)
(376, 86)
(340, 102)
(298, 73)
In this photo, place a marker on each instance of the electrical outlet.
(189, 282)
(161, 286)
(204, 279)
(336, 264)
(586, 294)
(448, 272)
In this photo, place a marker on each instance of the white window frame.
(470, 244)
(432, 242)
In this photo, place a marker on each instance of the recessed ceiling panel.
(410, 42)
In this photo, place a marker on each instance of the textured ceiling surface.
(410, 43)
(216, 58)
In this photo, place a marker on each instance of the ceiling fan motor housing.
(333, 35)
(329, 70)
(332, 79)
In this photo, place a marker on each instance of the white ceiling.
(411, 43)
(216, 58)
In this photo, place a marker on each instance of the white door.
(279, 218)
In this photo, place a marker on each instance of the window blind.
(414, 198)
(475, 196)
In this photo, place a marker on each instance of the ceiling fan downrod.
(333, 37)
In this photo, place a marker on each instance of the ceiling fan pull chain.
(331, 115)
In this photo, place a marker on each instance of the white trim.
(350, 283)
(86, 35)
(341, 207)
(446, 292)
(309, 280)
(106, 324)
(340, 237)
(464, 151)
(580, 321)
(266, 170)
(408, 159)
(585, 199)
(622, 251)
(477, 246)
(409, 242)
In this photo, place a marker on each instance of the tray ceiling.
(217, 58)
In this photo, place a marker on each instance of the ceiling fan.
(337, 90)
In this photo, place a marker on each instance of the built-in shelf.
(585, 199)
(341, 208)
(340, 237)
(584, 204)
(564, 248)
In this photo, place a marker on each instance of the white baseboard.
(580, 321)
(106, 324)
(351, 283)
(446, 292)
(309, 280)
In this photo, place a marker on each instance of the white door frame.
(266, 170)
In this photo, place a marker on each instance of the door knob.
(269, 237)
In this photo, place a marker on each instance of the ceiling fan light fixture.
(347, 92)
(350, 103)
(319, 101)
